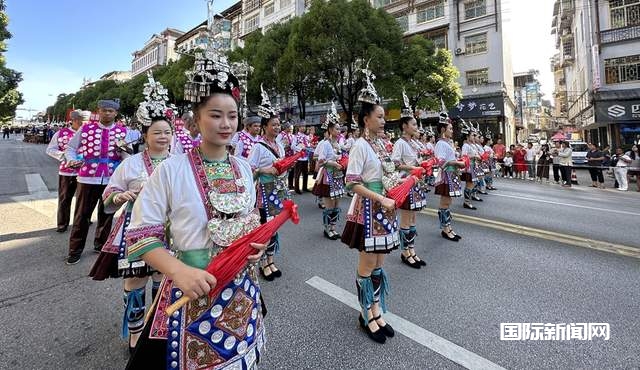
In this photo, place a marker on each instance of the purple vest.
(247, 143)
(185, 139)
(98, 148)
(64, 136)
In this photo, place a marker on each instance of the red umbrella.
(467, 162)
(344, 161)
(485, 156)
(400, 192)
(428, 165)
(233, 259)
(284, 164)
(558, 137)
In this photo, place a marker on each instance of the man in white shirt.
(530, 158)
(135, 136)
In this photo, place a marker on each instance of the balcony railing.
(619, 34)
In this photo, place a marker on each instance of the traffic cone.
(574, 178)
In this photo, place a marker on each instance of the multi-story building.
(118, 76)
(474, 31)
(599, 64)
(158, 50)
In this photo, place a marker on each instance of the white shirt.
(403, 153)
(326, 152)
(531, 154)
(364, 164)
(134, 134)
(172, 193)
(261, 157)
(444, 151)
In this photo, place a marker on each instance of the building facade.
(598, 62)
(474, 31)
(158, 50)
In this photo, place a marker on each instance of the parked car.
(579, 153)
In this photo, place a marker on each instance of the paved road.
(55, 317)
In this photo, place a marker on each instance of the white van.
(579, 151)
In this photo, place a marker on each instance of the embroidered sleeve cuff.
(353, 180)
(137, 250)
(143, 239)
(109, 193)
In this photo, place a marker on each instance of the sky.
(56, 44)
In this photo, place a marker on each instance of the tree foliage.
(172, 76)
(427, 74)
(10, 97)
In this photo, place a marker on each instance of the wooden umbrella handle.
(177, 305)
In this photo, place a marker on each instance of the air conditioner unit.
(459, 51)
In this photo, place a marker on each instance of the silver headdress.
(406, 110)
(488, 134)
(211, 72)
(430, 131)
(444, 116)
(155, 102)
(332, 117)
(464, 127)
(266, 110)
(369, 94)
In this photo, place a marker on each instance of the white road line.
(35, 184)
(567, 204)
(421, 336)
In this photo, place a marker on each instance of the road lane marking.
(556, 236)
(44, 203)
(567, 204)
(412, 331)
(35, 184)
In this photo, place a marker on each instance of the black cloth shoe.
(446, 236)
(483, 192)
(269, 277)
(72, 260)
(405, 260)
(276, 273)
(476, 199)
(61, 229)
(469, 206)
(387, 330)
(376, 336)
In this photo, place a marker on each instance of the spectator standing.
(500, 151)
(621, 168)
(594, 160)
(555, 160)
(544, 159)
(508, 165)
(530, 159)
(566, 164)
(135, 137)
(634, 167)
(519, 161)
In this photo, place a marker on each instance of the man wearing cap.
(96, 149)
(286, 137)
(243, 141)
(67, 181)
(301, 142)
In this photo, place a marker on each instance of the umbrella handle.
(177, 305)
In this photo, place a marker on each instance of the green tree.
(342, 37)
(10, 97)
(427, 74)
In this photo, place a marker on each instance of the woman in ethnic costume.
(124, 187)
(272, 188)
(372, 226)
(406, 156)
(470, 175)
(208, 197)
(447, 181)
(330, 183)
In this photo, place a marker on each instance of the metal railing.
(619, 34)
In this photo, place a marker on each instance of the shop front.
(488, 113)
(617, 122)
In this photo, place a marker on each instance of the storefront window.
(629, 134)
